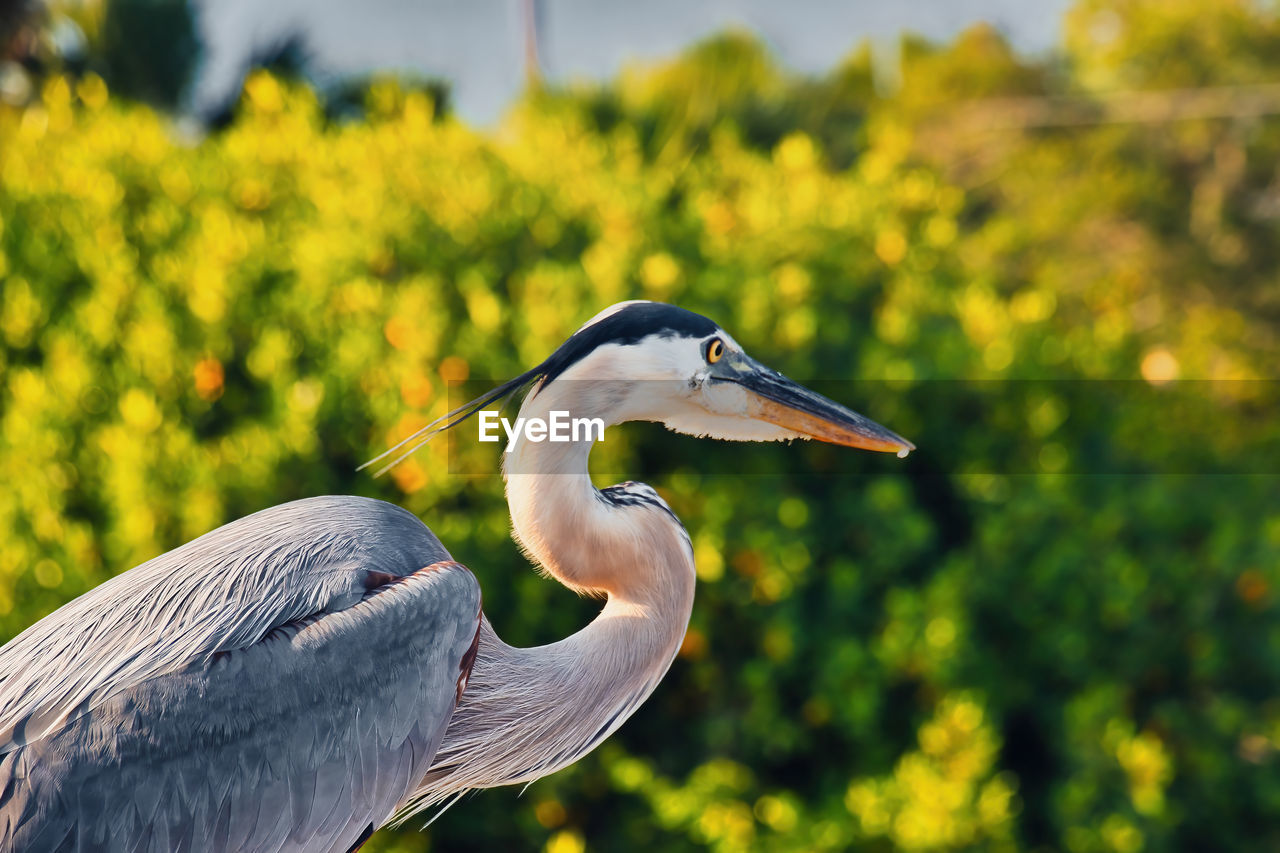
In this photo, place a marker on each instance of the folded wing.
(281, 683)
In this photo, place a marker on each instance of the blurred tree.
(1054, 631)
(148, 49)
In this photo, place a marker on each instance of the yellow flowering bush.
(1051, 628)
(943, 796)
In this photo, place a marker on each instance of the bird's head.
(647, 361)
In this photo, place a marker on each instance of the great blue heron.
(294, 679)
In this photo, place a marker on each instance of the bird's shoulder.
(226, 590)
(314, 733)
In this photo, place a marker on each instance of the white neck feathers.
(528, 712)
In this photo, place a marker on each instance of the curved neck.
(631, 548)
(526, 713)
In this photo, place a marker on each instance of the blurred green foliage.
(976, 653)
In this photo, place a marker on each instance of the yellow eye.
(715, 349)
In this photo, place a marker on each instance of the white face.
(669, 380)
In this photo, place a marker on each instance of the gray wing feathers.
(295, 741)
(225, 590)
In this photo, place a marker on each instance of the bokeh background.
(1053, 267)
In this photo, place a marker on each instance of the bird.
(300, 677)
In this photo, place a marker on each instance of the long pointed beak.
(776, 399)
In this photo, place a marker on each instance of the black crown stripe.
(629, 325)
